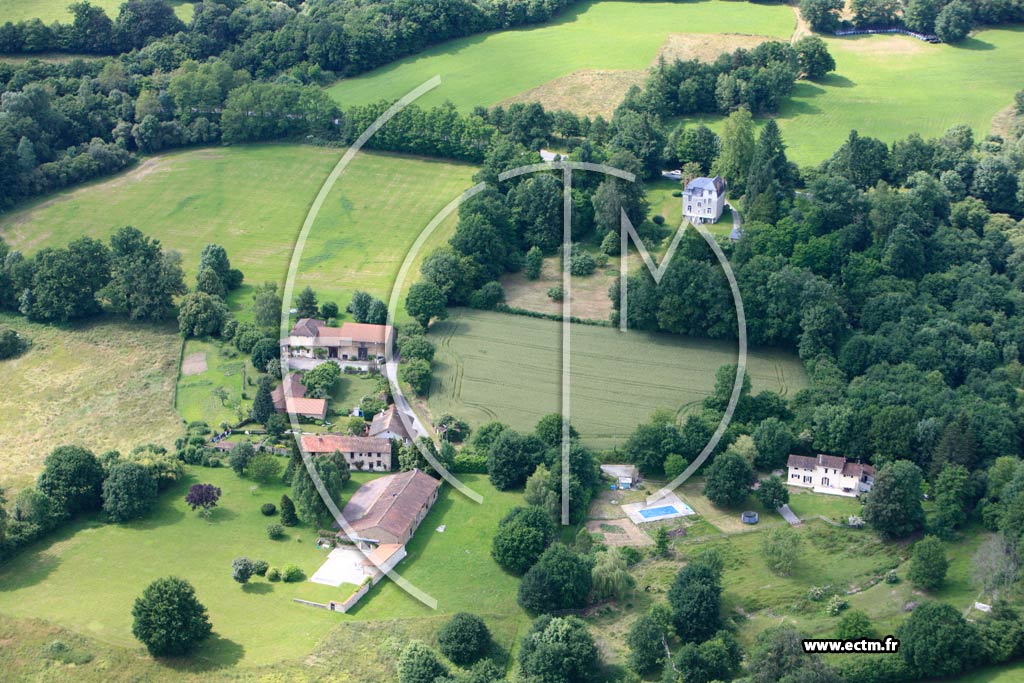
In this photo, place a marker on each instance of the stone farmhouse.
(830, 474)
(388, 425)
(704, 199)
(294, 400)
(388, 510)
(360, 452)
(313, 339)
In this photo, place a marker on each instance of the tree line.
(950, 20)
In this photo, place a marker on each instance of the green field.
(68, 577)
(225, 368)
(253, 200)
(596, 35)
(57, 10)
(891, 86)
(103, 384)
(492, 366)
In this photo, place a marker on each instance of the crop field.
(493, 366)
(253, 200)
(592, 36)
(66, 580)
(57, 10)
(103, 384)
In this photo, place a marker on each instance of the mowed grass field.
(105, 385)
(87, 576)
(493, 366)
(488, 68)
(253, 200)
(57, 10)
(891, 86)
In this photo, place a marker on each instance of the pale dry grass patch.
(103, 385)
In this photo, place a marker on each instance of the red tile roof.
(392, 502)
(308, 407)
(295, 387)
(328, 443)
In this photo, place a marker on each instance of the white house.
(704, 199)
(830, 474)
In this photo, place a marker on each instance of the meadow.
(891, 86)
(226, 369)
(66, 579)
(493, 366)
(597, 35)
(105, 384)
(253, 200)
(57, 10)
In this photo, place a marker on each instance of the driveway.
(737, 231)
(403, 405)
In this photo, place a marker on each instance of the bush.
(892, 577)
(658, 219)
(464, 638)
(836, 605)
(488, 296)
(630, 554)
(273, 574)
(582, 264)
(275, 532)
(291, 573)
(11, 343)
(268, 509)
(556, 293)
(469, 463)
(260, 567)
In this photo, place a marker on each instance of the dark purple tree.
(203, 497)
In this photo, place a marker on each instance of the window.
(807, 480)
(824, 481)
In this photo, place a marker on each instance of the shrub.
(582, 264)
(892, 577)
(275, 531)
(819, 593)
(464, 638)
(928, 564)
(556, 293)
(630, 554)
(268, 509)
(260, 567)
(488, 296)
(241, 569)
(836, 605)
(11, 343)
(273, 574)
(291, 573)
(658, 219)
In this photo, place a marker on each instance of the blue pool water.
(659, 511)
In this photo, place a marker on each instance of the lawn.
(57, 10)
(493, 366)
(87, 576)
(598, 35)
(67, 578)
(103, 384)
(888, 87)
(225, 368)
(805, 504)
(253, 200)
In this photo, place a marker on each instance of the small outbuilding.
(625, 476)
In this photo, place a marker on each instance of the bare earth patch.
(622, 532)
(193, 364)
(589, 298)
(705, 46)
(589, 92)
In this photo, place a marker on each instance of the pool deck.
(680, 509)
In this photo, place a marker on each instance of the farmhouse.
(388, 510)
(388, 425)
(361, 452)
(312, 338)
(830, 474)
(294, 400)
(704, 199)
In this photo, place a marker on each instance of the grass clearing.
(806, 504)
(495, 366)
(890, 98)
(252, 200)
(57, 10)
(105, 384)
(593, 36)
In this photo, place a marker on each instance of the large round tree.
(73, 478)
(893, 507)
(728, 481)
(522, 536)
(464, 639)
(168, 618)
(129, 492)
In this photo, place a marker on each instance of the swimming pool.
(659, 511)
